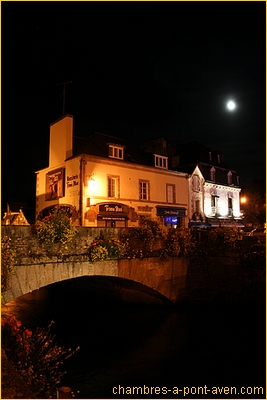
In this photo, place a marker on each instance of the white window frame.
(116, 152)
(170, 193)
(196, 183)
(143, 189)
(161, 161)
(113, 186)
(214, 204)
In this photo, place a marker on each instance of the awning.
(225, 224)
(171, 211)
(199, 225)
(112, 217)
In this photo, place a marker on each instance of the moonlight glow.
(231, 105)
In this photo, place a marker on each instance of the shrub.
(56, 228)
(97, 251)
(35, 355)
(223, 240)
(180, 242)
(102, 249)
(149, 230)
(144, 240)
(7, 260)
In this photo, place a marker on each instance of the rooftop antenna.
(64, 94)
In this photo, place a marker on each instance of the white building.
(102, 181)
(214, 191)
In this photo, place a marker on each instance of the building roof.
(191, 154)
(14, 217)
(97, 144)
(183, 157)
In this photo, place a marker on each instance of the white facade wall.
(85, 187)
(61, 136)
(128, 177)
(71, 182)
(196, 194)
(200, 199)
(223, 193)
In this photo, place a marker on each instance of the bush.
(97, 251)
(255, 257)
(144, 240)
(223, 240)
(149, 230)
(56, 228)
(7, 260)
(35, 355)
(102, 249)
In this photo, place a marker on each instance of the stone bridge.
(33, 269)
(199, 279)
(166, 277)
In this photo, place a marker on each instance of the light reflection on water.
(146, 345)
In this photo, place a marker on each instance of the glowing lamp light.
(91, 185)
(243, 200)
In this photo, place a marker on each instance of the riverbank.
(12, 384)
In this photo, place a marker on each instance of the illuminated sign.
(168, 211)
(112, 208)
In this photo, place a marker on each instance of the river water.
(126, 345)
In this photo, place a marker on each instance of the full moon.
(231, 105)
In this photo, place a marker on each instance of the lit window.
(143, 190)
(161, 162)
(113, 186)
(170, 194)
(115, 152)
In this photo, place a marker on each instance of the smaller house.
(214, 189)
(14, 217)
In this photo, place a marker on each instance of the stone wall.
(199, 279)
(166, 276)
(29, 248)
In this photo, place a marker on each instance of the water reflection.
(124, 344)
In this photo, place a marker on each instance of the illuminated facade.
(14, 217)
(214, 192)
(103, 182)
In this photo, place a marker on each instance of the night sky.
(139, 70)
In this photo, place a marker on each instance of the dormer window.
(212, 174)
(196, 183)
(230, 178)
(115, 152)
(161, 161)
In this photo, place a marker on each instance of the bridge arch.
(160, 278)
